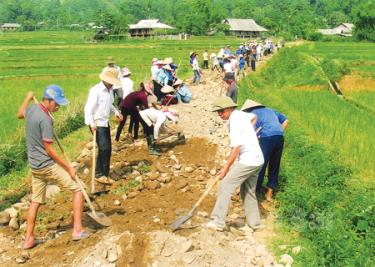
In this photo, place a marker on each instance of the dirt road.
(149, 194)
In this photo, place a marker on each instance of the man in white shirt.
(196, 70)
(205, 59)
(98, 107)
(126, 83)
(244, 146)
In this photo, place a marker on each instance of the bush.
(314, 36)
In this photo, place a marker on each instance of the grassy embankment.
(31, 61)
(326, 201)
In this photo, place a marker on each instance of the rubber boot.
(151, 145)
(154, 147)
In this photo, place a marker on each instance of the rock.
(181, 184)
(89, 145)
(152, 185)
(213, 172)
(283, 247)
(13, 213)
(13, 223)
(136, 173)
(154, 176)
(139, 179)
(117, 202)
(202, 214)
(20, 260)
(174, 158)
(177, 166)
(296, 250)
(124, 197)
(189, 169)
(286, 259)
(52, 190)
(112, 256)
(86, 171)
(4, 217)
(132, 194)
(87, 161)
(21, 206)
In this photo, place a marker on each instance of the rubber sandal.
(105, 180)
(81, 236)
(36, 243)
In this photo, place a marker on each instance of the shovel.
(98, 217)
(180, 221)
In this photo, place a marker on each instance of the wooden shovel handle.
(204, 195)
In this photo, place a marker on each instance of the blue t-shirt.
(270, 121)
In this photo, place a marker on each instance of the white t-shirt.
(228, 67)
(127, 86)
(242, 133)
(154, 117)
(195, 64)
(205, 56)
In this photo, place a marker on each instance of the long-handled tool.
(180, 221)
(93, 162)
(99, 217)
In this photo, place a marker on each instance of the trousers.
(246, 177)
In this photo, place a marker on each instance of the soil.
(141, 215)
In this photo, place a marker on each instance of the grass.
(31, 61)
(327, 177)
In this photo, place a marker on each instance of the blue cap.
(56, 93)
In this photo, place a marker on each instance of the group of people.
(256, 135)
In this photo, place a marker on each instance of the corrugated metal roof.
(246, 25)
(10, 25)
(149, 24)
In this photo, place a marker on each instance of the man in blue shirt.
(271, 139)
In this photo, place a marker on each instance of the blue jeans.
(272, 148)
(197, 76)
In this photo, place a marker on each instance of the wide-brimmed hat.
(223, 102)
(55, 93)
(240, 55)
(110, 76)
(154, 61)
(229, 76)
(178, 82)
(167, 89)
(250, 104)
(167, 67)
(110, 60)
(168, 60)
(125, 71)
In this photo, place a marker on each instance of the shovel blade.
(100, 218)
(180, 221)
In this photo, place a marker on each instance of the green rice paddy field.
(31, 61)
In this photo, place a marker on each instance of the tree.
(365, 21)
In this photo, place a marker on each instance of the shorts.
(53, 174)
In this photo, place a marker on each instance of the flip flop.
(105, 180)
(81, 236)
(36, 243)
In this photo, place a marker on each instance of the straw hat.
(110, 60)
(125, 71)
(154, 61)
(167, 89)
(167, 67)
(178, 82)
(250, 104)
(223, 102)
(168, 60)
(110, 76)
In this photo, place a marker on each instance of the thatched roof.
(149, 24)
(244, 25)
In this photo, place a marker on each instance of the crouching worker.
(46, 165)
(182, 93)
(244, 146)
